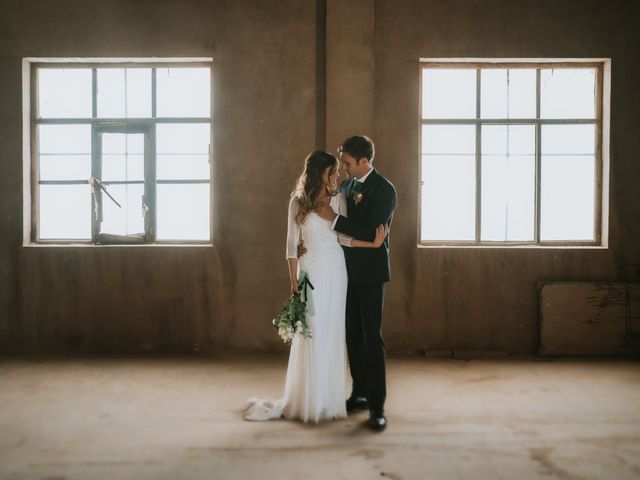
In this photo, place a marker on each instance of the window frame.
(601, 67)
(145, 125)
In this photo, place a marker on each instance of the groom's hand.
(327, 213)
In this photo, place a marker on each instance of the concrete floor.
(179, 418)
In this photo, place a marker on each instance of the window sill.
(515, 247)
(121, 245)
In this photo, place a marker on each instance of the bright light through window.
(135, 170)
(509, 154)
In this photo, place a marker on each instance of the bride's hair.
(309, 184)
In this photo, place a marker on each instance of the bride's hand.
(301, 249)
(294, 289)
(381, 233)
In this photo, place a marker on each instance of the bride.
(316, 384)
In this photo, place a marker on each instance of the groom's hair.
(358, 146)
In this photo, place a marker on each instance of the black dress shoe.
(357, 403)
(377, 421)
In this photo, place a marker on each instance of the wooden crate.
(589, 318)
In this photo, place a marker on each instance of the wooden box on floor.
(589, 318)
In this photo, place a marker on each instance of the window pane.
(124, 92)
(567, 93)
(448, 189)
(448, 197)
(508, 197)
(508, 93)
(568, 139)
(508, 140)
(64, 139)
(129, 218)
(65, 212)
(123, 143)
(183, 92)
(448, 139)
(64, 92)
(65, 167)
(448, 93)
(508, 182)
(178, 138)
(119, 162)
(183, 212)
(122, 168)
(111, 92)
(567, 197)
(183, 167)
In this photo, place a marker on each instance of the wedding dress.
(316, 382)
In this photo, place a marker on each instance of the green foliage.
(292, 319)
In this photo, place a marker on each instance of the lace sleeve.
(293, 229)
(344, 240)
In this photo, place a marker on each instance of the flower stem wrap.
(303, 287)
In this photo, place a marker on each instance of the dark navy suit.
(369, 269)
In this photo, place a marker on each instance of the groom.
(371, 200)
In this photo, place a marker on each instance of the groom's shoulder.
(384, 182)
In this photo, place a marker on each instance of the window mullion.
(150, 183)
(153, 93)
(478, 158)
(150, 166)
(35, 157)
(597, 211)
(95, 157)
(94, 93)
(538, 156)
(96, 172)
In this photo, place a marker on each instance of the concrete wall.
(273, 104)
(486, 299)
(134, 298)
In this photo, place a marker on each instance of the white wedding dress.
(316, 383)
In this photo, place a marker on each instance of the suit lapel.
(347, 191)
(370, 180)
(353, 210)
(366, 187)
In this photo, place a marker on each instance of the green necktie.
(356, 186)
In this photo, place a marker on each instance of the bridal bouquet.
(292, 318)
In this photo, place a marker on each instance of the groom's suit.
(369, 269)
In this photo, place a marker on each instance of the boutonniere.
(356, 194)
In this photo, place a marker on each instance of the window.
(511, 153)
(121, 152)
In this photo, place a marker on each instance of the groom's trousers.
(365, 346)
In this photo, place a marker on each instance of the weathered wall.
(265, 121)
(486, 299)
(264, 124)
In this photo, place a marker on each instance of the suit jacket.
(378, 201)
